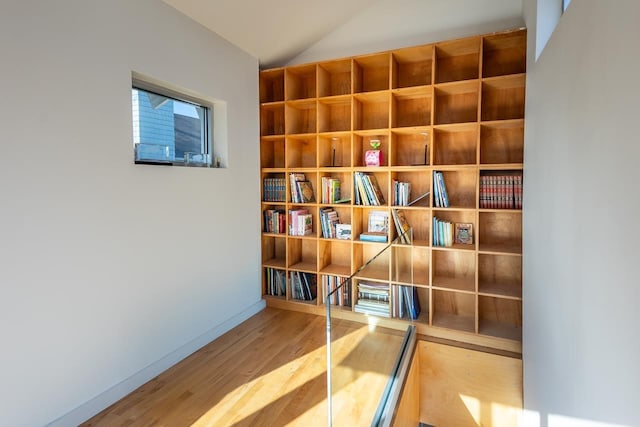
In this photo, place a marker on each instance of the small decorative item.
(373, 157)
(464, 233)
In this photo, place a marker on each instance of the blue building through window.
(168, 130)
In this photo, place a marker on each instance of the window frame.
(207, 123)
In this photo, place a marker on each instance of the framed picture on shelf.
(464, 233)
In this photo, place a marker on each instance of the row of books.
(303, 286)
(377, 227)
(328, 220)
(402, 226)
(401, 193)
(373, 298)
(406, 304)
(366, 190)
(276, 282)
(300, 222)
(274, 221)
(440, 197)
(330, 190)
(446, 233)
(301, 189)
(501, 191)
(342, 296)
(273, 190)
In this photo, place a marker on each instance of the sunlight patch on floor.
(268, 388)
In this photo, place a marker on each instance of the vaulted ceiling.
(277, 31)
(273, 30)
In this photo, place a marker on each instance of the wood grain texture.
(408, 410)
(270, 370)
(461, 387)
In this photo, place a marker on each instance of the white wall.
(106, 266)
(581, 209)
(393, 24)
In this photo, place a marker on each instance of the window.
(169, 130)
(565, 5)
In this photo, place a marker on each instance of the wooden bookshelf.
(455, 107)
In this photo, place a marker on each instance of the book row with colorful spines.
(273, 190)
(401, 193)
(301, 189)
(440, 196)
(366, 190)
(328, 220)
(442, 232)
(342, 296)
(330, 190)
(276, 282)
(501, 192)
(274, 221)
(300, 222)
(303, 286)
(405, 302)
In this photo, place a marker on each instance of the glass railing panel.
(363, 359)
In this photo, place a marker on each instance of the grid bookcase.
(455, 107)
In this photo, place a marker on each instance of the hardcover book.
(402, 226)
(305, 191)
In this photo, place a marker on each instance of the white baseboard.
(117, 392)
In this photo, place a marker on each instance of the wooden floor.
(268, 371)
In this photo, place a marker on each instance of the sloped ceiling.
(278, 32)
(274, 30)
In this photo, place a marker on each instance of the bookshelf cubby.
(455, 107)
(455, 144)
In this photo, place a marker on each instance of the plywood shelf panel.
(502, 142)
(410, 147)
(456, 145)
(371, 72)
(412, 66)
(272, 85)
(300, 82)
(334, 78)
(504, 53)
(334, 114)
(455, 107)
(456, 103)
(458, 60)
(503, 97)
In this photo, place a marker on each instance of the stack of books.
(377, 227)
(373, 298)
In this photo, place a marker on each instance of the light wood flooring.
(268, 371)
